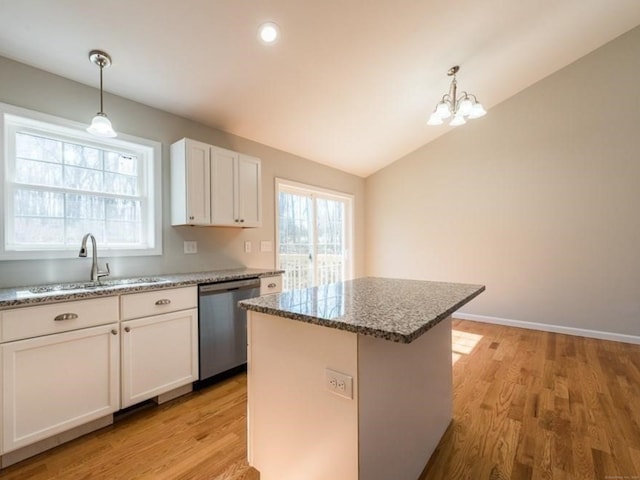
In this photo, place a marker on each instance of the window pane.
(120, 184)
(118, 163)
(83, 179)
(82, 156)
(123, 232)
(32, 203)
(120, 209)
(85, 207)
(38, 230)
(76, 228)
(38, 173)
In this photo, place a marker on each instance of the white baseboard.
(580, 332)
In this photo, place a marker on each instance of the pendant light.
(101, 125)
(466, 106)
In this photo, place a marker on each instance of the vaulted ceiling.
(350, 83)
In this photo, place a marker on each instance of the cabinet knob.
(272, 285)
(242, 221)
(127, 329)
(114, 332)
(65, 316)
(163, 301)
(191, 217)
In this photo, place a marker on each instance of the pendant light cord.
(101, 66)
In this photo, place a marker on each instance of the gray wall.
(218, 248)
(539, 200)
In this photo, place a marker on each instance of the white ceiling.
(349, 84)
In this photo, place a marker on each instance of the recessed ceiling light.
(268, 33)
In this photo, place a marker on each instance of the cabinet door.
(159, 354)
(198, 186)
(223, 187)
(249, 200)
(190, 183)
(57, 382)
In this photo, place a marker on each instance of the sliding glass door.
(313, 235)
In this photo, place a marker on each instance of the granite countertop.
(52, 293)
(392, 309)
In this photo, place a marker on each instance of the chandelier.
(466, 106)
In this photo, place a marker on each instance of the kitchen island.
(350, 380)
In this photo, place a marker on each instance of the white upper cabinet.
(223, 187)
(227, 188)
(190, 183)
(249, 204)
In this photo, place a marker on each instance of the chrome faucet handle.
(104, 273)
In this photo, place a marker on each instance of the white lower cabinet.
(159, 354)
(53, 383)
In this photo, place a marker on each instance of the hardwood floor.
(528, 405)
(537, 405)
(201, 435)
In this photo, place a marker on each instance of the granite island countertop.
(52, 293)
(391, 309)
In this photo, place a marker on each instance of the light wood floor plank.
(576, 415)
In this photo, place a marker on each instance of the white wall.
(539, 201)
(218, 248)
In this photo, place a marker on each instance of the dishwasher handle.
(225, 286)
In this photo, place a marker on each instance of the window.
(314, 235)
(60, 183)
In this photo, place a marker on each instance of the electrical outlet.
(339, 383)
(190, 247)
(247, 246)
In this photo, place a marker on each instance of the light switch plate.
(265, 246)
(247, 246)
(190, 246)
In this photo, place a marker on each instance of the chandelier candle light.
(101, 125)
(465, 106)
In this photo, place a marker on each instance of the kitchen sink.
(123, 282)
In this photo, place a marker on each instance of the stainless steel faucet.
(96, 273)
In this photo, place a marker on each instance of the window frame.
(14, 120)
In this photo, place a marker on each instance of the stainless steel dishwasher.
(222, 325)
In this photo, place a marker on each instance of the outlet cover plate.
(339, 383)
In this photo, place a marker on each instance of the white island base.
(298, 429)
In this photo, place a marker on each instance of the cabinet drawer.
(137, 305)
(270, 284)
(57, 317)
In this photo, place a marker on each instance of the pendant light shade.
(101, 125)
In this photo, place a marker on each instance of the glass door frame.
(284, 185)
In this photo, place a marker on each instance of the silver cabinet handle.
(66, 316)
(127, 329)
(114, 332)
(271, 285)
(163, 301)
